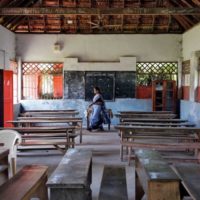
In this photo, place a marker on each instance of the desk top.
(72, 171)
(155, 166)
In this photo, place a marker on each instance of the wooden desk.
(155, 176)
(73, 176)
(127, 134)
(4, 165)
(69, 132)
(34, 121)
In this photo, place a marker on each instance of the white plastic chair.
(11, 140)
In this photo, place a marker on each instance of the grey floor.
(105, 149)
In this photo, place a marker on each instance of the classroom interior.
(144, 55)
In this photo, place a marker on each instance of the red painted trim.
(143, 92)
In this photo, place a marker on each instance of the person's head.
(97, 90)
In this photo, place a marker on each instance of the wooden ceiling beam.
(99, 11)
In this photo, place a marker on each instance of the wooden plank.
(190, 176)
(99, 11)
(154, 120)
(65, 110)
(145, 112)
(165, 124)
(50, 118)
(28, 182)
(152, 116)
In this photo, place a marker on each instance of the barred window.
(42, 80)
(149, 71)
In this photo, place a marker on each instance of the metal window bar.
(146, 72)
(37, 81)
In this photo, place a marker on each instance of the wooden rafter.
(99, 11)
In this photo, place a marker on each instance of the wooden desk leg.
(41, 190)
(121, 146)
(67, 140)
(81, 132)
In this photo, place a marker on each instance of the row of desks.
(144, 135)
(48, 121)
(48, 127)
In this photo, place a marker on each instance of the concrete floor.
(105, 149)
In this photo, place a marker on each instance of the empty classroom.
(100, 100)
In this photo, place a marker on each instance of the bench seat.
(72, 178)
(29, 182)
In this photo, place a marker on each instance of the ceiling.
(99, 16)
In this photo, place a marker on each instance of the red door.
(8, 97)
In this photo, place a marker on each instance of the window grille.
(149, 71)
(40, 80)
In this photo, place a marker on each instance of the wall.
(191, 51)
(32, 47)
(7, 47)
(81, 105)
(191, 111)
(93, 48)
(191, 42)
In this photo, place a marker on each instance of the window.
(42, 80)
(13, 67)
(149, 71)
(185, 82)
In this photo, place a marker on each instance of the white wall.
(191, 42)
(7, 47)
(99, 47)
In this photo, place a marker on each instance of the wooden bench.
(28, 132)
(155, 180)
(72, 178)
(127, 134)
(29, 182)
(40, 121)
(190, 178)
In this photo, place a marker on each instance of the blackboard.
(74, 85)
(104, 80)
(125, 84)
